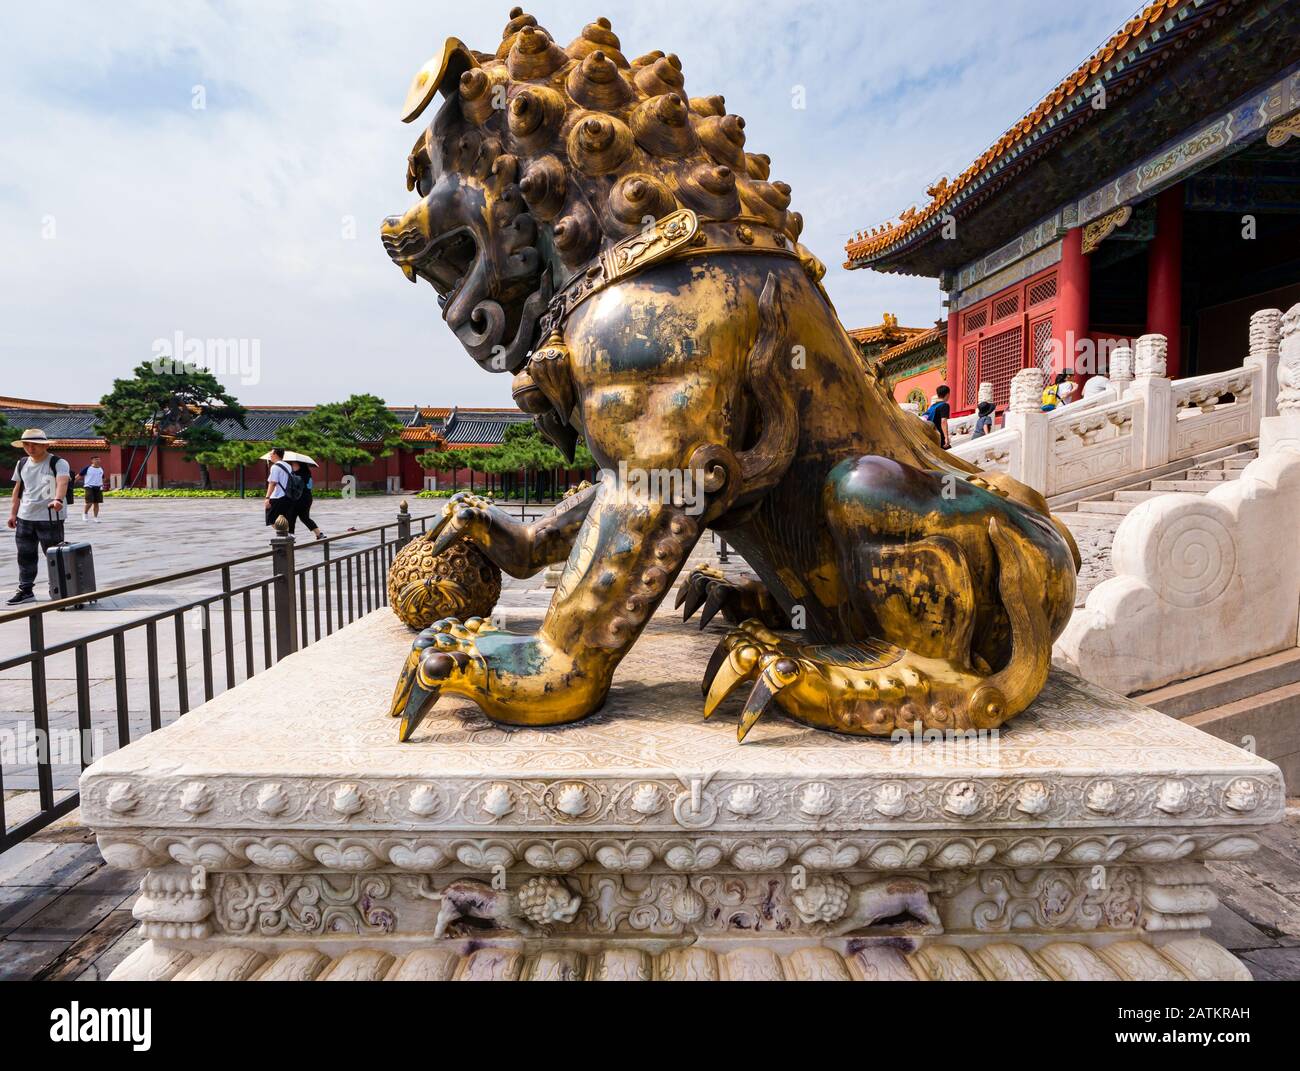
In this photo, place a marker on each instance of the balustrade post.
(1153, 389)
(1025, 416)
(286, 592)
(1282, 431)
(1265, 343)
(1120, 370)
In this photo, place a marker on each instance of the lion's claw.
(737, 598)
(443, 651)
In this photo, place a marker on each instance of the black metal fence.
(311, 590)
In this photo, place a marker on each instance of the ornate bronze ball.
(460, 582)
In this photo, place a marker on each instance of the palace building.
(1155, 190)
(424, 428)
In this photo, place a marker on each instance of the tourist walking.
(36, 508)
(303, 510)
(283, 489)
(92, 481)
(1058, 392)
(938, 414)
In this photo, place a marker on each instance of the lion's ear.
(441, 73)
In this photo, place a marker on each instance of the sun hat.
(32, 435)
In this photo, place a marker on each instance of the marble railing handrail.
(1156, 420)
(1196, 390)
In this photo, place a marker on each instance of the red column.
(955, 372)
(1165, 275)
(1073, 288)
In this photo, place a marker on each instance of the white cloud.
(230, 221)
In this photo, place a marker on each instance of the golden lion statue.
(608, 240)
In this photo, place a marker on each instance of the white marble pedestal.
(283, 832)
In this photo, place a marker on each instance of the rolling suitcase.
(71, 569)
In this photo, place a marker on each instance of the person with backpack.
(1058, 392)
(284, 489)
(938, 414)
(92, 479)
(37, 507)
(303, 512)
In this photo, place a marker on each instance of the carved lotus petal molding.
(272, 799)
(816, 801)
(347, 800)
(121, 798)
(1173, 797)
(498, 801)
(572, 800)
(1033, 798)
(962, 799)
(648, 799)
(196, 798)
(890, 800)
(1103, 797)
(423, 801)
(1242, 795)
(743, 800)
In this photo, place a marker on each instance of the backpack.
(296, 486)
(54, 468)
(934, 408)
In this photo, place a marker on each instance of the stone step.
(1136, 496)
(1267, 724)
(1103, 506)
(1195, 487)
(1240, 462)
(1211, 475)
(1225, 685)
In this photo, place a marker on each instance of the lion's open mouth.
(445, 261)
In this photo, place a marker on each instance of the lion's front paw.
(514, 679)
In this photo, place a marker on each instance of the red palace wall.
(925, 382)
(1000, 335)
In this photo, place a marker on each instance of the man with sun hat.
(37, 507)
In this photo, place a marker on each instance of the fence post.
(403, 524)
(286, 593)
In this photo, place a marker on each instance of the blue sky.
(128, 214)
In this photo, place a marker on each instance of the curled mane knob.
(533, 116)
(599, 144)
(764, 200)
(597, 83)
(662, 126)
(723, 138)
(518, 20)
(759, 165)
(711, 190)
(477, 96)
(534, 55)
(707, 106)
(663, 75)
(543, 186)
(576, 235)
(597, 35)
(637, 199)
(794, 225)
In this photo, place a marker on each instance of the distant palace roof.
(887, 331)
(1226, 43)
(72, 426)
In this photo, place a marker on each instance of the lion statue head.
(540, 155)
